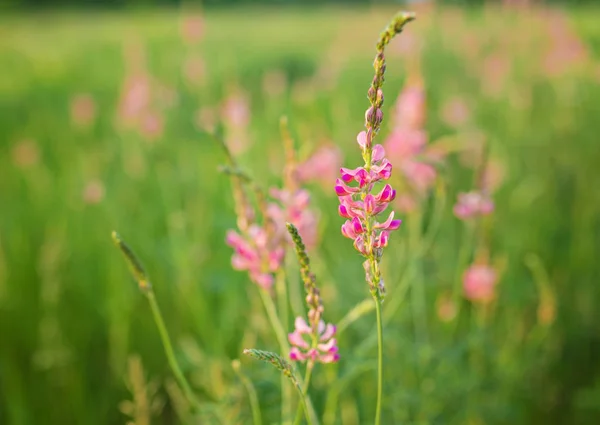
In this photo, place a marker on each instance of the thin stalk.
(307, 376)
(252, 396)
(379, 360)
(166, 340)
(284, 347)
(282, 304)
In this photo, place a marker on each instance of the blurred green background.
(74, 329)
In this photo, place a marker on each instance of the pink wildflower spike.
(326, 351)
(376, 168)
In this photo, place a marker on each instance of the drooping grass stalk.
(146, 288)
(287, 370)
(252, 396)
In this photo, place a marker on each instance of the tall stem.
(307, 375)
(379, 360)
(164, 336)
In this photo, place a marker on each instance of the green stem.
(252, 396)
(307, 375)
(164, 336)
(282, 304)
(379, 360)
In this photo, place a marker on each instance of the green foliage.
(69, 321)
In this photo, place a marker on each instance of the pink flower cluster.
(256, 253)
(479, 282)
(293, 207)
(324, 349)
(360, 206)
(473, 204)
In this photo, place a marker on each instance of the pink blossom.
(83, 110)
(455, 112)
(152, 125)
(479, 282)
(360, 206)
(293, 207)
(192, 28)
(321, 166)
(25, 154)
(410, 109)
(93, 192)
(135, 98)
(324, 349)
(473, 204)
(256, 253)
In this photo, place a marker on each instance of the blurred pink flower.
(321, 166)
(294, 208)
(152, 125)
(135, 98)
(83, 110)
(479, 283)
(25, 154)
(326, 349)
(455, 112)
(256, 253)
(192, 28)
(93, 193)
(410, 109)
(473, 204)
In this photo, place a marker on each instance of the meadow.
(105, 124)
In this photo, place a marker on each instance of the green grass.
(70, 316)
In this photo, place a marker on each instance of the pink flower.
(361, 207)
(324, 349)
(293, 207)
(321, 166)
(192, 28)
(135, 98)
(410, 107)
(455, 112)
(473, 204)
(479, 282)
(93, 192)
(152, 125)
(257, 254)
(83, 110)
(25, 154)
